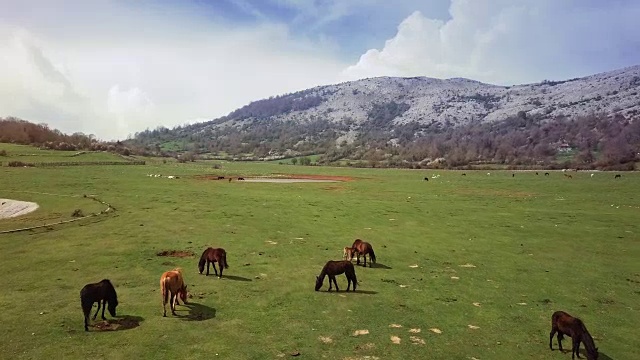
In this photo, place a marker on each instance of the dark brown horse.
(363, 248)
(102, 291)
(211, 256)
(563, 323)
(333, 268)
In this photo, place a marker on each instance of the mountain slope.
(397, 111)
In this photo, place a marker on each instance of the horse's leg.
(553, 332)
(365, 260)
(104, 307)
(221, 268)
(214, 267)
(173, 303)
(164, 303)
(330, 285)
(576, 347)
(336, 283)
(207, 267)
(96, 314)
(349, 282)
(560, 341)
(87, 312)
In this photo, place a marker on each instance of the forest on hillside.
(588, 142)
(17, 131)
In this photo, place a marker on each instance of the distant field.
(29, 154)
(483, 259)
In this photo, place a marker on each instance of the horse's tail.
(372, 255)
(163, 288)
(224, 260)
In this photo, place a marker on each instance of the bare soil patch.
(325, 339)
(176, 253)
(124, 323)
(396, 340)
(360, 332)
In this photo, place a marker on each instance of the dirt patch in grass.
(360, 332)
(365, 347)
(176, 253)
(285, 177)
(396, 340)
(325, 339)
(315, 177)
(124, 323)
(416, 340)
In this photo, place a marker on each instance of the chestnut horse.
(563, 323)
(172, 283)
(97, 292)
(211, 256)
(363, 248)
(347, 253)
(333, 268)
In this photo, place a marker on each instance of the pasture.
(468, 267)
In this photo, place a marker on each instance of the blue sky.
(114, 67)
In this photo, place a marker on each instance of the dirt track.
(12, 208)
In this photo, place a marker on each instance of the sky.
(112, 68)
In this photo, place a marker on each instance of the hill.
(408, 121)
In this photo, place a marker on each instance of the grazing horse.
(546, 174)
(464, 174)
(333, 268)
(220, 177)
(426, 179)
(617, 176)
(363, 248)
(568, 176)
(536, 173)
(347, 253)
(97, 292)
(211, 256)
(563, 323)
(240, 178)
(172, 283)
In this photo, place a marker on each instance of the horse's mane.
(178, 269)
(586, 339)
(203, 258)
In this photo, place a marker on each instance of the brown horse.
(172, 283)
(347, 253)
(211, 256)
(563, 323)
(363, 248)
(97, 292)
(333, 268)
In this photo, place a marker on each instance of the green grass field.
(29, 154)
(529, 244)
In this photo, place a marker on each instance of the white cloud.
(126, 70)
(507, 42)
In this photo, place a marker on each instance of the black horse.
(333, 268)
(97, 292)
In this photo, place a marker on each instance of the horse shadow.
(119, 323)
(344, 291)
(381, 266)
(601, 355)
(198, 312)
(365, 292)
(236, 278)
